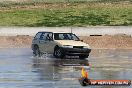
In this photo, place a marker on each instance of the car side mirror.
(81, 40)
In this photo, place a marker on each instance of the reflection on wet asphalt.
(19, 69)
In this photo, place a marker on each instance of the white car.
(59, 44)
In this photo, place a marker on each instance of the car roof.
(61, 33)
(52, 32)
(44, 32)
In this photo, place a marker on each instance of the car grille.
(80, 47)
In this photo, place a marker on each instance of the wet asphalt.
(19, 69)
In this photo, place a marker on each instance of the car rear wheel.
(58, 52)
(36, 51)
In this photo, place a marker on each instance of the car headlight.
(67, 46)
(86, 47)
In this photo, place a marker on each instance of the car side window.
(37, 36)
(42, 36)
(46, 36)
(64, 37)
(61, 37)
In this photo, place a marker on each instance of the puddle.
(19, 69)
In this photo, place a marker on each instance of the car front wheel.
(58, 52)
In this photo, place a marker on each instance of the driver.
(65, 36)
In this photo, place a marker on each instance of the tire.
(83, 56)
(58, 52)
(36, 51)
(84, 81)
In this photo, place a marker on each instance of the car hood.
(71, 42)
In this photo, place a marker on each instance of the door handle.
(41, 41)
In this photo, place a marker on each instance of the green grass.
(70, 14)
(9, 3)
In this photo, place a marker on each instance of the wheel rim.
(58, 52)
(37, 51)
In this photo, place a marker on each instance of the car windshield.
(65, 36)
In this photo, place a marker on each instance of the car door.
(36, 40)
(51, 44)
(46, 42)
(42, 42)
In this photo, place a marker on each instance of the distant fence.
(81, 1)
(9, 3)
(50, 1)
(80, 31)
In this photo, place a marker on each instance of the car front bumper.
(76, 51)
